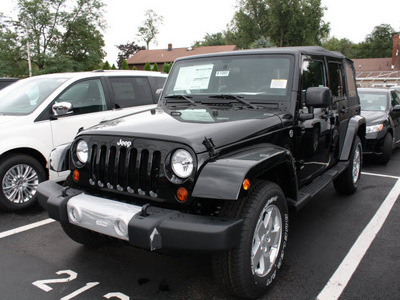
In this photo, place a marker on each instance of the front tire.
(20, 176)
(387, 149)
(347, 182)
(250, 268)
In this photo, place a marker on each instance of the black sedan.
(381, 108)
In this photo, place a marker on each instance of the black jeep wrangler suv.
(237, 140)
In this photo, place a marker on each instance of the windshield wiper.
(187, 98)
(234, 97)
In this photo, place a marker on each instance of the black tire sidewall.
(8, 162)
(387, 149)
(268, 193)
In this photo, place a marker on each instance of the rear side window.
(131, 91)
(336, 79)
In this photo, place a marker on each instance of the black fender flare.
(223, 177)
(356, 126)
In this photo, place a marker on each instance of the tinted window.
(395, 98)
(131, 91)
(336, 79)
(85, 97)
(312, 74)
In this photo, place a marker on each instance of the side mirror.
(318, 97)
(158, 93)
(396, 108)
(62, 108)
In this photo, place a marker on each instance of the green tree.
(216, 39)
(147, 67)
(106, 66)
(378, 43)
(13, 59)
(155, 68)
(296, 22)
(126, 51)
(63, 35)
(134, 68)
(113, 67)
(124, 65)
(149, 30)
(344, 46)
(166, 67)
(283, 22)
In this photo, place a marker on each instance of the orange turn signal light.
(75, 175)
(246, 184)
(182, 194)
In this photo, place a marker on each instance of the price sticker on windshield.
(222, 74)
(278, 83)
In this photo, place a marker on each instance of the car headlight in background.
(182, 163)
(374, 128)
(82, 151)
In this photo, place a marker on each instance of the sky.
(186, 22)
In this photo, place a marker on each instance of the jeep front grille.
(125, 169)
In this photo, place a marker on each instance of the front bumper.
(145, 226)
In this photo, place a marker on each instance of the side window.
(312, 74)
(131, 91)
(335, 79)
(351, 85)
(395, 98)
(85, 96)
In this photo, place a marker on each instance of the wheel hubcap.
(20, 183)
(266, 240)
(356, 164)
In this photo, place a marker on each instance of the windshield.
(24, 96)
(258, 78)
(375, 101)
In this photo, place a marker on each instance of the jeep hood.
(191, 126)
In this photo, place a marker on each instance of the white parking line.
(339, 280)
(380, 175)
(25, 228)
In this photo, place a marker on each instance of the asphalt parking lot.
(339, 247)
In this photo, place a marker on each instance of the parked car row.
(42, 112)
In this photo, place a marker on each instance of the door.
(317, 132)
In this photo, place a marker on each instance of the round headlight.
(182, 163)
(82, 151)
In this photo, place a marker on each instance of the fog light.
(121, 228)
(182, 194)
(74, 214)
(75, 175)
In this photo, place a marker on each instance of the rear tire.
(249, 268)
(347, 182)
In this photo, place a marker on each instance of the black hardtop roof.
(307, 50)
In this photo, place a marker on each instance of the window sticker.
(278, 83)
(197, 115)
(222, 74)
(193, 77)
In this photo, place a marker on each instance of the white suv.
(42, 112)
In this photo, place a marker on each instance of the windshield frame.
(214, 75)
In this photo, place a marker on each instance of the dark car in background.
(381, 109)
(7, 81)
